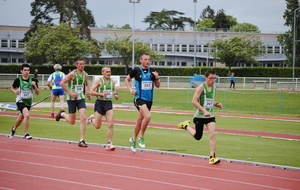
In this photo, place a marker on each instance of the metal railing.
(241, 83)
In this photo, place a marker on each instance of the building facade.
(181, 49)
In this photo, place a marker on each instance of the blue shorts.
(102, 106)
(58, 92)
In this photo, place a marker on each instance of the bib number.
(147, 85)
(109, 95)
(26, 94)
(79, 89)
(209, 103)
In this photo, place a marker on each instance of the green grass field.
(249, 148)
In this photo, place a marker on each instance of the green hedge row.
(165, 71)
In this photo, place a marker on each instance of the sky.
(266, 14)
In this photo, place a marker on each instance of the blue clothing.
(144, 87)
(58, 92)
(232, 77)
(56, 78)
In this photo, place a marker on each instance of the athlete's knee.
(97, 126)
(198, 137)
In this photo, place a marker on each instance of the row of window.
(159, 47)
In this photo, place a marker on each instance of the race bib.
(147, 85)
(109, 95)
(26, 94)
(208, 103)
(79, 89)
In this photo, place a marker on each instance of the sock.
(52, 113)
(109, 143)
(81, 140)
(62, 114)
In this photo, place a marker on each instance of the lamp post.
(134, 2)
(208, 45)
(294, 48)
(195, 43)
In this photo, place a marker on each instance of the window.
(183, 64)
(4, 60)
(184, 48)
(162, 47)
(169, 48)
(13, 44)
(4, 43)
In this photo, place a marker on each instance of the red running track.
(42, 164)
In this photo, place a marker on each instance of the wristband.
(157, 78)
(217, 104)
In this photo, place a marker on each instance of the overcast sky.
(266, 14)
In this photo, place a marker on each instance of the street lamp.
(195, 44)
(294, 48)
(208, 45)
(134, 2)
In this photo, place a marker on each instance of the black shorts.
(199, 123)
(139, 102)
(21, 106)
(102, 106)
(73, 104)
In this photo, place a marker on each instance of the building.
(178, 46)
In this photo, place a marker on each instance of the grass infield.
(248, 148)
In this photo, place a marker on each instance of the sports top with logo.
(56, 78)
(106, 87)
(26, 92)
(144, 84)
(206, 100)
(77, 86)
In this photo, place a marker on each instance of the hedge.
(166, 71)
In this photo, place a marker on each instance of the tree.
(207, 13)
(221, 20)
(287, 38)
(244, 27)
(73, 12)
(121, 47)
(167, 20)
(205, 23)
(58, 44)
(238, 50)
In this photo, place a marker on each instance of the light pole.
(294, 48)
(208, 45)
(134, 2)
(195, 43)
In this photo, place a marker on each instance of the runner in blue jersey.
(53, 83)
(145, 80)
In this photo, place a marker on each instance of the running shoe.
(184, 124)
(142, 142)
(90, 119)
(82, 144)
(133, 145)
(51, 116)
(214, 160)
(109, 146)
(12, 133)
(27, 136)
(58, 116)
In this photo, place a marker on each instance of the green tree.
(167, 20)
(205, 23)
(121, 47)
(58, 44)
(244, 27)
(73, 12)
(221, 20)
(238, 50)
(207, 13)
(287, 38)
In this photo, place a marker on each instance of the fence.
(6, 81)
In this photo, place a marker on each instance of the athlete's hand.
(206, 113)
(105, 94)
(133, 92)
(73, 95)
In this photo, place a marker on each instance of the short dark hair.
(144, 54)
(24, 65)
(208, 72)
